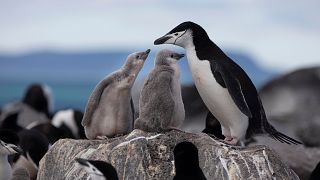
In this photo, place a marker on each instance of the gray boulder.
(142, 155)
(292, 104)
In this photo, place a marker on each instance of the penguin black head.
(98, 169)
(9, 136)
(187, 161)
(184, 35)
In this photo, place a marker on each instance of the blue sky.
(283, 35)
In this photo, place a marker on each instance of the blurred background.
(69, 46)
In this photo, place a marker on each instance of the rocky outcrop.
(142, 155)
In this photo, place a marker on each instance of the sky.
(282, 35)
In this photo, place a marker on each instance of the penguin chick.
(7, 149)
(98, 170)
(186, 162)
(223, 85)
(109, 111)
(160, 103)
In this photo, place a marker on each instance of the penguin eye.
(176, 34)
(171, 56)
(137, 56)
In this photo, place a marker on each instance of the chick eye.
(176, 34)
(138, 57)
(171, 56)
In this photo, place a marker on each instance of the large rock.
(142, 155)
(292, 101)
(292, 104)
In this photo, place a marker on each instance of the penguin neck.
(130, 71)
(5, 168)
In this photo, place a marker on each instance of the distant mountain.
(72, 76)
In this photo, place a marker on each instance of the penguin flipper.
(94, 100)
(132, 110)
(234, 88)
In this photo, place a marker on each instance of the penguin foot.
(174, 128)
(102, 137)
(231, 140)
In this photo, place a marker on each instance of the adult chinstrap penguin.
(109, 111)
(160, 104)
(98, 170)
(223, 85)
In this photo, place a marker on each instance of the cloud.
(282, 34)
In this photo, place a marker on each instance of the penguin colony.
(236, 112)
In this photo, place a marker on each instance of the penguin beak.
(162, 40)
(145, 54)
(17, 149)
(147, 51)
(82, 162)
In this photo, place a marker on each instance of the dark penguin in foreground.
(186, 162)
(223, 85)
(98, 170)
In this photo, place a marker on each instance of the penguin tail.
(284, 138)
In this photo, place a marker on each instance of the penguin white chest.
(217, 98)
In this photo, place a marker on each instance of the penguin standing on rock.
(160, 103)
(223, 85)
(110, 111)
